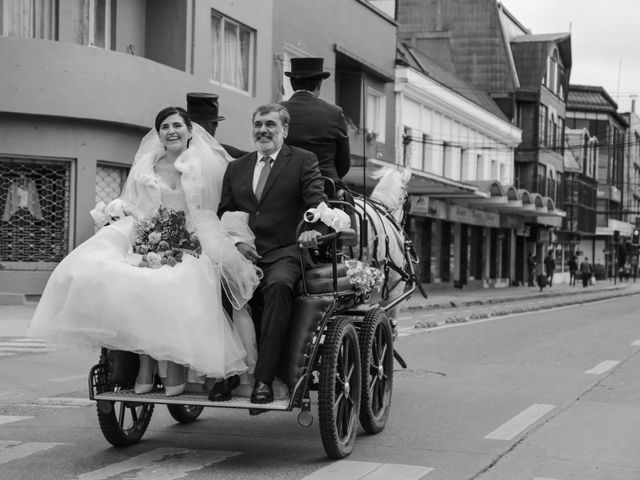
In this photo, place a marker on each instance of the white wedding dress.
(99, 296)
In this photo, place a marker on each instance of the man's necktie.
(264, 173)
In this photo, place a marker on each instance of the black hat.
(307, 67)
(203, 107)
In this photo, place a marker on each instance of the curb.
(613, 292)
(515, 298)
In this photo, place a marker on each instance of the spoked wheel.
(124, 423)
(185, 413)
(376, 348)
(339, 389)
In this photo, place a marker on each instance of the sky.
(605, 40)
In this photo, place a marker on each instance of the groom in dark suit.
(275, 184)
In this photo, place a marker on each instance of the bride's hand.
(248, 252)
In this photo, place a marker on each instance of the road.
(546, 395)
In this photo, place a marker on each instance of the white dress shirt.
(260, 165)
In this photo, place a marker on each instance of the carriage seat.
(319, 277)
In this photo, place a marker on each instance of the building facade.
(591, 108)
(526, 76)
(87, 78)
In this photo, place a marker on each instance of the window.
(92, 22)
(479, 167)
(232, 53)
(100, 23)
(542, 125)
(109, 182)
(28, 18)
(35, 198)
(376, 114)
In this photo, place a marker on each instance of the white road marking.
(602, 367)
(543, 478)
(636, 343)
(520, 422)
(351, 470)
(160, 464)
(13, 450)
(72, 377)
(12, 418)
(22, 345)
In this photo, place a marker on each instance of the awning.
(510, 200)
(421, 183)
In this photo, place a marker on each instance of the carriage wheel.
(376, 348)
(339, 389)
(185, 413)
(124, 423)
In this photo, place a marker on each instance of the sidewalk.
(454, 298)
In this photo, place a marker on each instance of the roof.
(591, 98)
(530, 53)
(407, 55)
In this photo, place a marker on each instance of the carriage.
(340, 343)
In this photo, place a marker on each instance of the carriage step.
(189, 399)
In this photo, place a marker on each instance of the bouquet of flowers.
(363, 278)
(162, 238)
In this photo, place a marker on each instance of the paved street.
(550, 394)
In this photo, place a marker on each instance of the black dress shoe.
(221, 391)
(262, 393)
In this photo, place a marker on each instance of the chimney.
(633, 105)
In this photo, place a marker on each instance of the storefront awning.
(421, 183)
(510, 200)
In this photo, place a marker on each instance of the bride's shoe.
(146, 373)
(173, 390)
(176, 373)
(141, 388)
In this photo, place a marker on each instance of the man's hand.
(248, 252)
(308, 239)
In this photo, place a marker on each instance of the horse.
(386, 246)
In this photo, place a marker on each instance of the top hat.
(203, 107)
(307, 68)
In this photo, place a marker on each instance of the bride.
(173, 315)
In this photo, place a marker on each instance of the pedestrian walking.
(573, 270)
(549, 267)
(531, 269)
(586, 271)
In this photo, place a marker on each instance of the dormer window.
(555, 74)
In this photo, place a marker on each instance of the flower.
(155, 237)
(154, 260)
(363, 278)
(162, 238)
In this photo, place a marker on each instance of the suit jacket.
(294, 185)
(233, 151)
(321, 128)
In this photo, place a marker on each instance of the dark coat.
(233, 151)
(293, 186)
(321, 128)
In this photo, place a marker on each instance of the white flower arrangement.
(363, 278)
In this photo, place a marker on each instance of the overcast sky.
(605, 40)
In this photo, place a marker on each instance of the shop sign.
(419, 205)
(424, 206)
(472, 216)
(513, 222)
